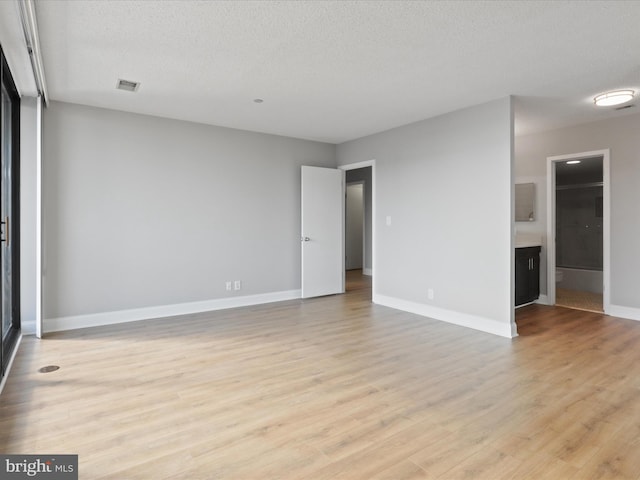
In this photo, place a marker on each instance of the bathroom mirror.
(525, 194)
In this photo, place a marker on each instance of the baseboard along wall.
(122, 316)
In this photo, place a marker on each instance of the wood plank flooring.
(333, 387)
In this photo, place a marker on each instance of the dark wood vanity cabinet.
(527, 275)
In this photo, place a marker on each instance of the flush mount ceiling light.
(615, 97)
(573, 162)
(127, 85)
(258, 100)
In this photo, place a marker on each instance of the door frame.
(606, 223)
(355, 166)
(9, 343)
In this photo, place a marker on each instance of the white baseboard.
(367, 271)
(542, 300)
(524, 305)
(28, 327)
(10, 364)
(629, 313)
(620, 311)
(146, 313)
(450, 316)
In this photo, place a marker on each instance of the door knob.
(305, 239)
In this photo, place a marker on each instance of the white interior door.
(322, 233)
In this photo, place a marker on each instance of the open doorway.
(358, 228)
(579, 231)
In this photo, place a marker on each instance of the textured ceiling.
(338, 70)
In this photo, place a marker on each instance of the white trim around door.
(372, 164)
(606, 223)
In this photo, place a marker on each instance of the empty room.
(319, 239)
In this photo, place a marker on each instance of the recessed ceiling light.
(573, 162)
(258, 100)
(127, 85)
(615, 97)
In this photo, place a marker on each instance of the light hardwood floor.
(333, 387)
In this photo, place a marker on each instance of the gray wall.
(621, 136)
(446, 184)
(143, 211)
(354, 227)
(364, 174)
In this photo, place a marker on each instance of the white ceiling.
(338, 70)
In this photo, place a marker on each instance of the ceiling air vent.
(625, 107)
(127, 85)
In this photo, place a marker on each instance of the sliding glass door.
(9, 218)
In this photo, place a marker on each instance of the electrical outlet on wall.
(228, 285)
(430, 293)
(237, 285)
